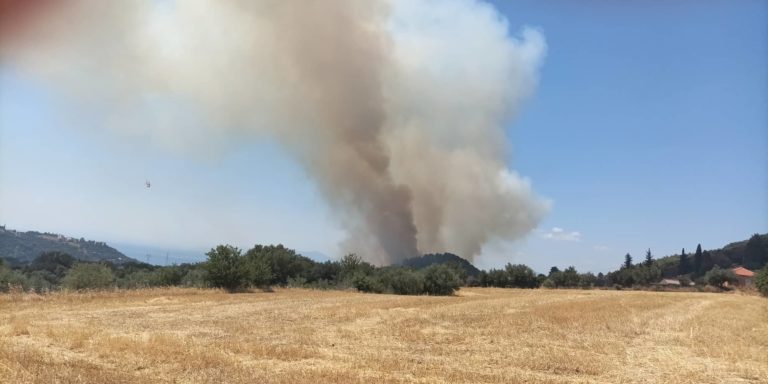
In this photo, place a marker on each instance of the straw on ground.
(303, 336)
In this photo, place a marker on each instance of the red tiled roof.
(741, 271)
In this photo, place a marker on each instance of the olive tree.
(88, 276)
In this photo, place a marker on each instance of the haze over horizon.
(634, 138)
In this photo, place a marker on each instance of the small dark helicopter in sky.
(147, 184)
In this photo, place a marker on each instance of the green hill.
(441, 258)
(23, 247)
(751, 253)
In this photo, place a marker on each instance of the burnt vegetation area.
(265, 266)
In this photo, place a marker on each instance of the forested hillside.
(427, 260)
(23, 247)
(751, 254)
(699, 266)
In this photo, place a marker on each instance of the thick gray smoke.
(395, 108)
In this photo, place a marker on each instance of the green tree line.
(265, 266)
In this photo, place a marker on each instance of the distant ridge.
(425, 261)
(731, 255)
(316, 256)
(23, 247)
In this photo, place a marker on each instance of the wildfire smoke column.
(396, 109)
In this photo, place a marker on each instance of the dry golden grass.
(296, 336)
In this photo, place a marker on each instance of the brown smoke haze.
(395, 108)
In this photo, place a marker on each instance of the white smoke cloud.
(396, 108)
(559, 234)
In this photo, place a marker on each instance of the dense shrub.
(297, 282)
(761, 281)
(367, 283)
(494, 278)
(88, 276)
(587, 280)
(403, 281)
(10, 279)
(459, 271)
(259, 272)
(328, 272)
(136, 279)
(755, 252)
(195, 278)
(567, 278)
(55, 263)
(42, 281)
(521, 276)
(601, 280)
(440, 280)
(718, 277)
(276, 262)
(168, 276)
(351, 265)
(639, 274)
(322, 284)
(226, 268)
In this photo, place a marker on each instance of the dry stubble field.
(298, 336)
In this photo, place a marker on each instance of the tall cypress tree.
(648, 258)
(698, 259)
(628, 261)
(684, 266)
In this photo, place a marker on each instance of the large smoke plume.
(395, 108)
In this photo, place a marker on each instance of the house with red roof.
(744, 277)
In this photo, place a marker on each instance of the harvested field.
(304, 336)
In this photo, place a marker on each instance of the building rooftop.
(743, 272)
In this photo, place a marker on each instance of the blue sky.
(649, 129)
(650, 125)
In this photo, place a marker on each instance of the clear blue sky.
(649, 129)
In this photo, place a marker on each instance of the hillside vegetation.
(428, 260)
(751, 253)
(23, 247)
(264, 266)
(483, 335)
